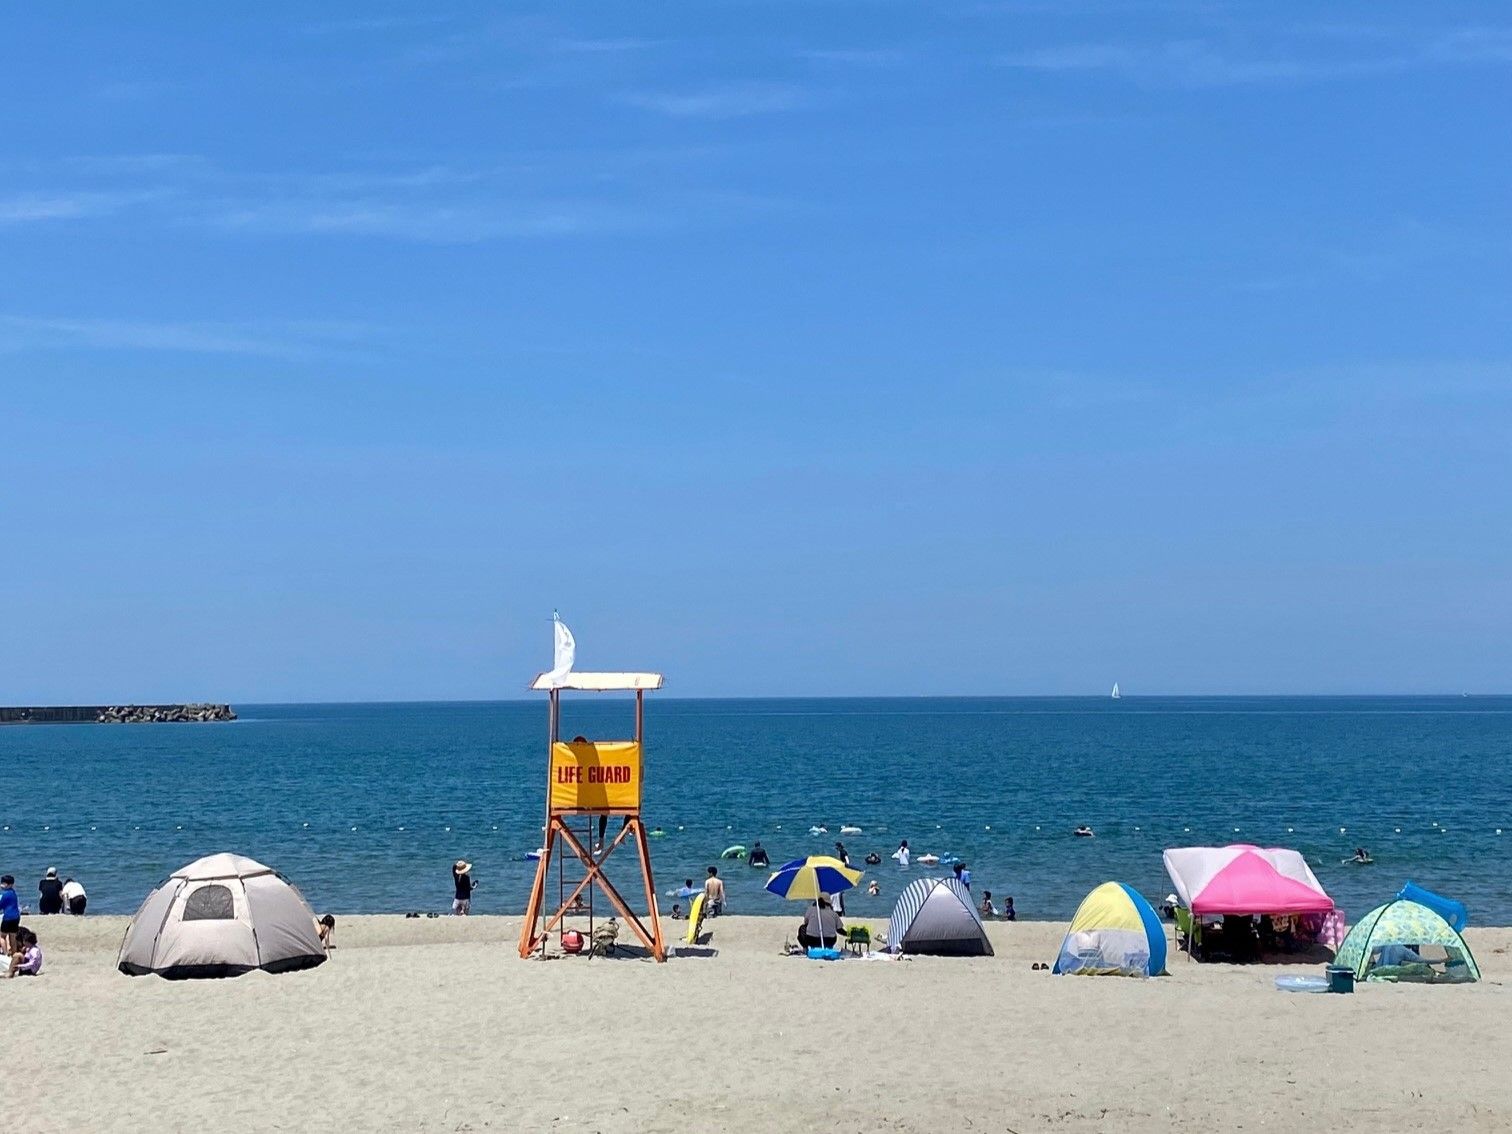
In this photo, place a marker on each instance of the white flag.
(564, 653)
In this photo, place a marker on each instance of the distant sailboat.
(1116, 694)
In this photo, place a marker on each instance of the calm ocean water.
(365, 806)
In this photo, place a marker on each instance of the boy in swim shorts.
(10, 913)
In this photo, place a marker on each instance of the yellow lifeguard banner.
(592, 780)
(595, 776)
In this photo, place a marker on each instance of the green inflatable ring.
(737, 851)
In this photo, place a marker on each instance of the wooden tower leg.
(643, 851)
(529, 941)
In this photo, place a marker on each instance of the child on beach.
(26, 959)
(987, 909)
(10, 913)
(326, 928)
(714, 894)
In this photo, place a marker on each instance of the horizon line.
(526, 700)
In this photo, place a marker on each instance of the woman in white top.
(901, 854)
(74, 898)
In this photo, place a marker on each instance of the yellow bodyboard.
(695, 919)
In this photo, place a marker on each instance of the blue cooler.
(1340, 979)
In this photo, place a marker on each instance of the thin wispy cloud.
(855, 56)
(24, 208)
(1196, 63)
(133, 90)
(1473, 45)
(287, 340)
(535, 196)
(1192, 63)
(133, 163)
(728, 100)
(372, 24)
(604, 46)
(429, 223)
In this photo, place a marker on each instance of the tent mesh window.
(209, 903)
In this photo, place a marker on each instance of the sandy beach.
(438, 1025)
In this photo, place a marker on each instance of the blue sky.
(816, 348)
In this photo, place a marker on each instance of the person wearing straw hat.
(50, 893)
(464, 884)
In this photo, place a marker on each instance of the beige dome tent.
(221, 916)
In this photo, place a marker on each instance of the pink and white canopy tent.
(1245, 880)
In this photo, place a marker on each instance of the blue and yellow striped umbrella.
(804, 879)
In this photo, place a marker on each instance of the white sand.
(438, 1025)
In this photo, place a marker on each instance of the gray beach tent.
(936, 915)
(221, 916)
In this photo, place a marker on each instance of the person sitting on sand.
(578, 905)
(987, 909)
(758, 855)
(1009, 913)
(50, 893)
(325, 926)
(26, 958)
(676, 914)
(463, 886)
(821, 928)
(714, 893)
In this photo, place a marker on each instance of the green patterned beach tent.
(1406, 941)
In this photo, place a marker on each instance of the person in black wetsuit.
(50, 893)
(758, 855)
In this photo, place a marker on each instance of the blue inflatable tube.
(1451, 911)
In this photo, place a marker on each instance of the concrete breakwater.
(116, 714)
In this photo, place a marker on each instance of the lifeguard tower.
(590, 783)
